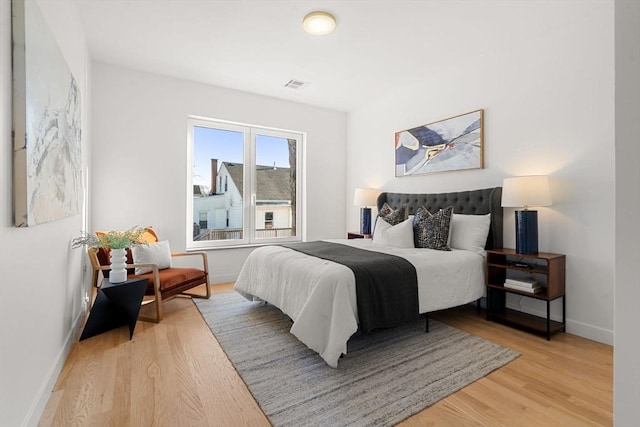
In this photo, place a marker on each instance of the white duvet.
(320, 295)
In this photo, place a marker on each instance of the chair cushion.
(149, 235)
(174, 278)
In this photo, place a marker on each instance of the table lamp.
(524, 192)
(365, 197)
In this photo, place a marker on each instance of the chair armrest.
(177, 254)
(205, 259)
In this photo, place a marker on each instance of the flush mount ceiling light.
(319, 23)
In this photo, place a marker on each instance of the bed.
(320, 295)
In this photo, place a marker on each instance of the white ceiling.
(258, 46)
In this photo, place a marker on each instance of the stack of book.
(524, 285)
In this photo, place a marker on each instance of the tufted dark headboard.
(473, 202)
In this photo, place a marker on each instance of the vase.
(118, 273)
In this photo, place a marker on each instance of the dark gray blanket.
(386, 285)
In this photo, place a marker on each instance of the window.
(268, 220)
(203, 220)
(249, 181)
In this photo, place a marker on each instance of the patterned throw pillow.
(432, 230)
(392, 216)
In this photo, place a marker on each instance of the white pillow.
(399, 235)
(153, 253)
(469, 232)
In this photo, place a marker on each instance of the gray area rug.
(386, 376)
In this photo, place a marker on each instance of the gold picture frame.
(452, 144)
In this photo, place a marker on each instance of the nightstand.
(116, 304)
(547, 269)
(357, 235)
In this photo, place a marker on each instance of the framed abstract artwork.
(47, 160)
(451, 144)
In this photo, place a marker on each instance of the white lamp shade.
(319, 23)
(526, 191)
(365, 196)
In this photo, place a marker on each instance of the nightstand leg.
(548, 322)
(564, 315)
(488, 301)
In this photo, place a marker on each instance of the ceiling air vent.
(296, 84)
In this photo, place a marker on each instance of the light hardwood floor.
(175, 373)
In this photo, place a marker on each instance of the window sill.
(250, 245)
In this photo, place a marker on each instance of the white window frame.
(250, 133)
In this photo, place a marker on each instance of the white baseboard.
(223, 278)
(40, 402)
(604, 336)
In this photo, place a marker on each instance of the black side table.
(117, 304)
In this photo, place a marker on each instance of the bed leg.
(478, 309)
(426, 316)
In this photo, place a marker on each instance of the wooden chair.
(163, 283)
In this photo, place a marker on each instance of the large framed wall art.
(47, 158)
(451, 144)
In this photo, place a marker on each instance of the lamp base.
(527, 232)
(365, 220)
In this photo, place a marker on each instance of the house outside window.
(260, 169)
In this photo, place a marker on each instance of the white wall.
(627, 249)
(41, 286)
(140, 144)
(548, 94)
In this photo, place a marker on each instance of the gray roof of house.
(273, 183)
